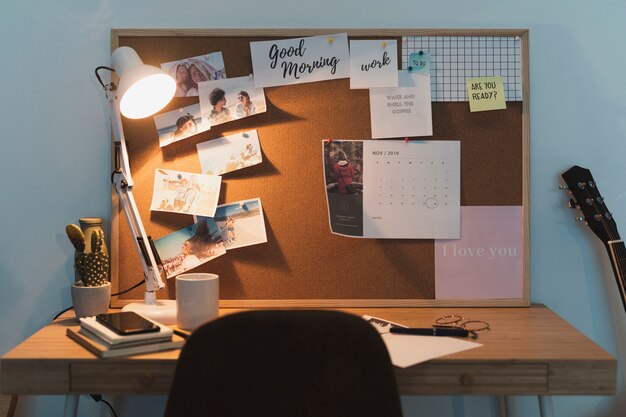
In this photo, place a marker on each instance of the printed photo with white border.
(223, 101)
(229, 153)
(189, 72)
(185, 192)
(179, 124)
(241, 223)
(190, 247)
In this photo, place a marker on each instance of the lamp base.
(163, 311)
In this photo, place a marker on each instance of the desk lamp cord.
(98, 398)
(112, 295)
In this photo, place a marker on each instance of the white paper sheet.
(373, 63)
(300, 60)
(394, 189)
(404, 111)
(407, 350)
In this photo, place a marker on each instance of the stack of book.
(105, 343)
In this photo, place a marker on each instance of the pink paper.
(486, 262)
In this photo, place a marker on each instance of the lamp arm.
(123, 184)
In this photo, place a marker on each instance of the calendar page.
(393, 189)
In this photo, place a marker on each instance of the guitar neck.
(617, 253)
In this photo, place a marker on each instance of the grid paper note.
(455, 58)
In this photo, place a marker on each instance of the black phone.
(127, 323)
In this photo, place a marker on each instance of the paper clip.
(383, 44)
(330, 40)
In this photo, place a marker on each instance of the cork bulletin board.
(303, 263)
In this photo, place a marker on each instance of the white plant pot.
(89, 301)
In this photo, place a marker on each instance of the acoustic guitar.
(585, 196)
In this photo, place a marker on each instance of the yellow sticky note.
(485, 93)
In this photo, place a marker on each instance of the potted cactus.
(91, 293)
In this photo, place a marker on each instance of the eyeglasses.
(454, 321)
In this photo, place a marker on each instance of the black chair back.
(285, 363)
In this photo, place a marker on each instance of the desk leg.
(71, 406)
(503, 406)
(545, 406)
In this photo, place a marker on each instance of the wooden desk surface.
(528, 351)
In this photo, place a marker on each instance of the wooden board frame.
(117, 301)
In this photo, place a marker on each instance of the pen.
(430, 331)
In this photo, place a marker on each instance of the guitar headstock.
(585, 196)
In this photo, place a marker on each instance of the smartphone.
(127, 323)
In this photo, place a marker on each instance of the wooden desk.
(528, 351)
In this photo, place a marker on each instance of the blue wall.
(54, 152)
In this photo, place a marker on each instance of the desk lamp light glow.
(142, 91)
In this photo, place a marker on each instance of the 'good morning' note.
(300, 60)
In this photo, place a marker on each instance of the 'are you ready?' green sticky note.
(485, 93)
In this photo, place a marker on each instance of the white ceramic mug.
(197, 299)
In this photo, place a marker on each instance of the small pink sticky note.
(486, 263)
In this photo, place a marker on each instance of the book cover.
(96, 338)
(103, 351)
(112, 338)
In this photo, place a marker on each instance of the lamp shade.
(143, 89)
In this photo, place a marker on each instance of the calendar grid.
(455, 58)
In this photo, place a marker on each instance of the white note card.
(404, 111)
(373, 63)
(300, 60)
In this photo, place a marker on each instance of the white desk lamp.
(142, 91)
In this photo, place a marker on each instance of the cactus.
(92, 267)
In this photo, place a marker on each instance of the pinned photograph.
(229, 153)
(241, 223)
(179, 124)
(189, 72)
(184, 192)
(223, 101)
(190, 247)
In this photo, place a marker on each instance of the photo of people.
(190, 247)
(189, 72)
(343, 167)
(226, 100)
(179, 124)
(229, 153)
(241, 223)
(184, 192)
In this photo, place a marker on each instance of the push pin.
(331, 40)
(383, 44)
(406, 139)
(328, 140)
(421, 53)
(251, 76)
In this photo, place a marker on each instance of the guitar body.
(585, 196)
